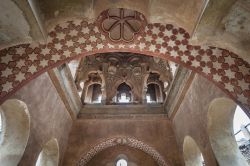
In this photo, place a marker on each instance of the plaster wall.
(87, 133)
(49, 118)
(191, 118)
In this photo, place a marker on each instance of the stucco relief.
(126, 141)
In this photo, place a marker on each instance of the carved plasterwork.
(126, 141)
(122, 24)
(116, 68)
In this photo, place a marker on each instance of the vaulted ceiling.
(223, 23)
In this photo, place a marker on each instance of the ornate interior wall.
(191, 118)
(154, 131)
(49, 118)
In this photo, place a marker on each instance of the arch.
(220, 131)
(191, 152)
(127, 141)
(16, 129)
(49, 156)
(22, 63)
(93, 93)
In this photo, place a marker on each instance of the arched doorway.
(192, 153)
(15, 120)
(49, 156)
(221, 135)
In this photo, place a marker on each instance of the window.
(121, 162)
(241, 132)
(94, 94)
(124, 93)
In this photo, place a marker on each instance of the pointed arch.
(70, 40)
(16, 130)
(220, 131)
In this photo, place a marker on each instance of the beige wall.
(49, 118)
(191, 118)
(156, 132)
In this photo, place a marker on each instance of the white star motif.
(58, 46)
(44, 62)
(89, 48)
(156, 30)
(6, 59)
(242, 98)
(20, 63)
(163, 50)
(93, 39)
(244, 85)
(73, 32)
(67, 53)
(20, 50)
(206, 70)
(32, 69)
(180, 37)
(184, 58)
(183, 48)
(216, 65)
(6, 72)
(99, 46)
(110, 46)
(132, 46)
(152, 48)
(33, 57)
(60, 36)
(195, 63)
(70, 43)
(45, 51)
(174, 53)
(229, 60)
(148, 38)
(78, 50)
(159, 40)
(103, 37)
(121, 45)
(229, 74)
(55, 57)
(194, 52)
(85, 30)
(20, 77)
(229, 87)
(82, 40)
(7, 86)
(142, 46)
(171, 43)
(168, 33)
(217, 77)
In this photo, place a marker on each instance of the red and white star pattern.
(73, 39)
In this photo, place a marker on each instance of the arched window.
(94, 94)
(153, 94)
(221, 135)
(49, 156)
(124, 93)
(192, 153)
(121, 162)
(241, 132)
(15, 131)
